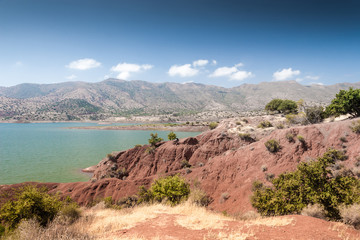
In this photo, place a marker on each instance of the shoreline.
(155, 127)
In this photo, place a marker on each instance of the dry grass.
(343, 231)
(110, 220)
(240, 234)
(31, 229)
(271, 221)
(197, 218)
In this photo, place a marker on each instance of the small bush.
(128, 202)
(314, 114)
(224, 196)
(343, 139)
(172, 189)
(301, 139)
(185, 163)
(264, 124)
(150, 150)
(296, 118)
(138, 145)
(290, 137)
(30, 203)
(122, 173)
(213, 125)
(355, 126)
(246, 137)
(351, 215)
(171, 136)
(199, 197)
(111, 157)
(245, 120)
(70, 213)
(264, 168)
(272, 145)
(269, 176)
(280, 126)
(314, 210)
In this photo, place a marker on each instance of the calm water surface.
(48, 152)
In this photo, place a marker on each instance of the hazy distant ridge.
(113, 96)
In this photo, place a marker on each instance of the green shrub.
(185, 163)
(272, 145)
(345, 102)
(301, 139)
(154, 139)
(282, 106)
(290, 136)
(355, 126)
(171, 136)
(246, 137)
(30, 203)
(287, 106)
(312, 183)
(122, 173)
(273, 105)
(172, 189)
(280, 126)
(213, 125)
(264, 124)
(111, 157)
(138, 145)
(2, 230)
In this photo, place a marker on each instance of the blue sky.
(218, 42)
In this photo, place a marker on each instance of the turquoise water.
(48, 152)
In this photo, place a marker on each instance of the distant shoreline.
(155, 126)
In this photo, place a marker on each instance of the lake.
(48, 152)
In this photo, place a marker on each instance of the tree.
(154, 139)
(172, 136)
(288, 106)
(345, 102)
(273, 105)
(282, 106)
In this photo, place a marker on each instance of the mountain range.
(114, 97)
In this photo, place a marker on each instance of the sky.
(219, 42)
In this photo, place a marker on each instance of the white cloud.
(200, 63)
(214, 62)
(183, 71)
(233, 73)
(223, 71)
(240, 75)
(315, 78)
(285, 74)
(317, 83)
(71, 77)
(125, 69)
(84, 64)
(187, 82)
